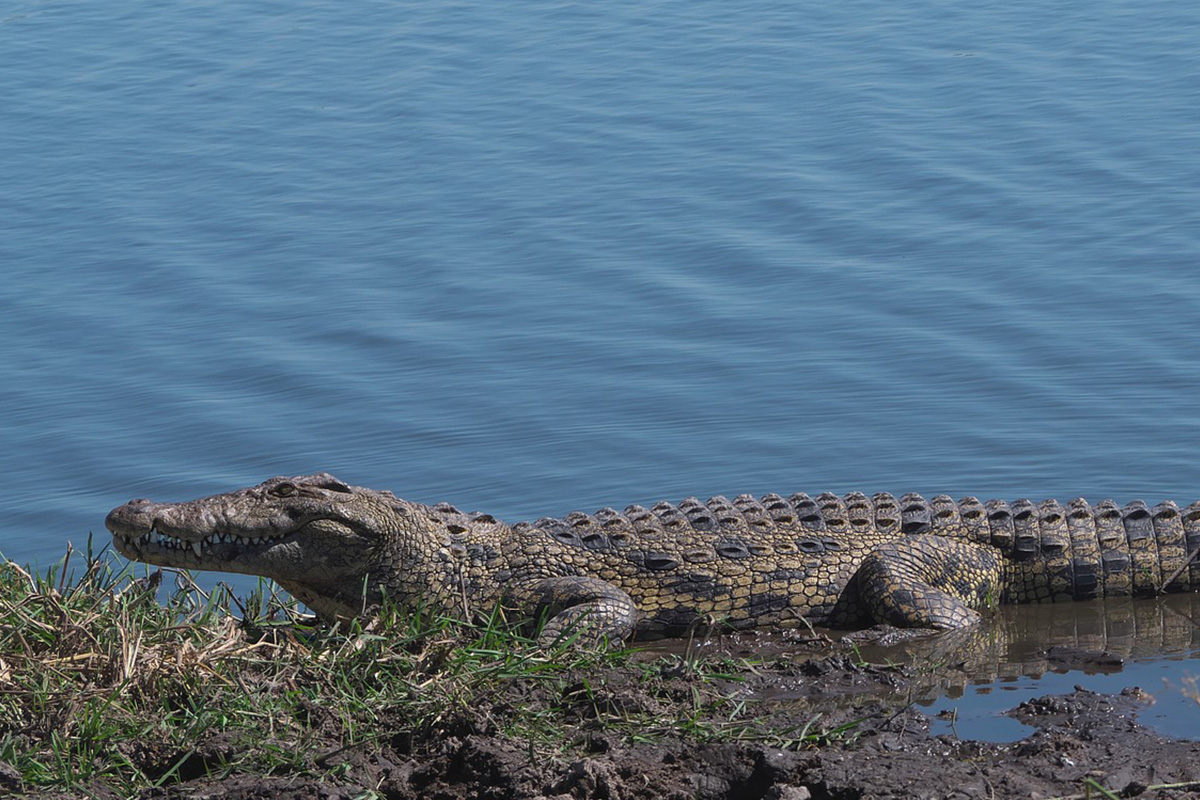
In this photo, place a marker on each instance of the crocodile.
(769, 562)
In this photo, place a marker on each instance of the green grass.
(105, 689)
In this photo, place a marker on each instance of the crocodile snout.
(131, 518)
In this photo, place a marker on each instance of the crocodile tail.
(1075, 550)
(1190, 518)
(1079, 551)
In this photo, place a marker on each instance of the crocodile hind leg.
(573, 603)
(929, 581)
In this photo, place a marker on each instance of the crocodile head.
(313, 534)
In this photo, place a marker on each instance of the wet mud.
(833, 716)
(1081, 740)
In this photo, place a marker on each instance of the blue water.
(529, 257)
(983, 712)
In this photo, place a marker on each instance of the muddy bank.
(897, 759)
(108, 694)
(1081, 737)
(839, 731)
(1084, 737)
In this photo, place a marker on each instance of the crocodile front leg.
(573, 602)
(929, 582)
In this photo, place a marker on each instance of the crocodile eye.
(284, 490)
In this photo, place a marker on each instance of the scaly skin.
(766, 563)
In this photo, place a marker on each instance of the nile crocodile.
(769, 562)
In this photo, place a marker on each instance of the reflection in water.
(1026, 651)
(967, 680)
(1102, 636)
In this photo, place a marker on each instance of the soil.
(1079, 741)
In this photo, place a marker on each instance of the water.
(1103, 646)
(982, 712)
(535, 256)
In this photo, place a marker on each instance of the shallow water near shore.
(1110, 647)
(536, 257)
(969, 682)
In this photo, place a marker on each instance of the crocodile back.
(776, 561)
(749, 562)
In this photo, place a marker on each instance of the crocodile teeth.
(156, 537)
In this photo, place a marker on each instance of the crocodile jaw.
(310, 531)
(233, 552)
